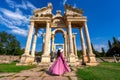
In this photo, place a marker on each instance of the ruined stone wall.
(107, 59)
(8, 58)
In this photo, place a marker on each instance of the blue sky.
(103, 19)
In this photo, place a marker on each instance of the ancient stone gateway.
(72, 18)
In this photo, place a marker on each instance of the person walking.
(60, 66)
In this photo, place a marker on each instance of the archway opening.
(59, 40)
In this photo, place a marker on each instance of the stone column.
(52, 42)
(34, 43)
(49, 41)
(26, 57)
(68, 45)
(85, 58)
(68, 54)
(90, 53)
(45, 56)
(65, 45)
(75, 48)
(29, 39)
(71, 52)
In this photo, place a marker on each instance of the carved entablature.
(71, 11)
(57, 20)
(43, 12)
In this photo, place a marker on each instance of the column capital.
(31, 22)
(69, 22)
(85, 21)
(48, 21)
(53, 35)
(74, 35)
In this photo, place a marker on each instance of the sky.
(103, 19)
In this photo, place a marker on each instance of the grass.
(13, 68)
(104, 71)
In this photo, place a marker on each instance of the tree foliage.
(109, 44)
(115, 48)
(79, 53)
(9, 45)
(103, 53)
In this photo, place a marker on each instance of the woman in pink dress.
(60, 66)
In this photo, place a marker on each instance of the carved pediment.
(43, 11)
(71, 11)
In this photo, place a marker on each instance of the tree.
(103, 52)
(109, 44)
(9, 44)
(79, 53)
(115, 48)
(115, 41)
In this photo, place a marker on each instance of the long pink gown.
(59, 66)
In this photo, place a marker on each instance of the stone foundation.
(85, 58)
(72, 58)
(92, 64)
(45, 59)
(27, 59)
(92, 59)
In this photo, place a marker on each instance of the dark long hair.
(58, 53)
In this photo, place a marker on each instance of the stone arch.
(65, 39)
(59, 30)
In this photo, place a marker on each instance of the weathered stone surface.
(38, 74)
(6, 78)
(46, 74)
(34, 78)
(29, 73)
(70, 74)
(6, 74)
(55, 78)
(18, 78)
(73, 78)
(36, 69)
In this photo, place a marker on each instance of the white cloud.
(99, 46)
(24, 5)
(19, 31)
(5, 21)
(40, 32)
(12, 15)
(119, 38)
(31, 5)
(11, 3)
(79, 48)
(13, 28)
(14, 18)
(64, 2)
